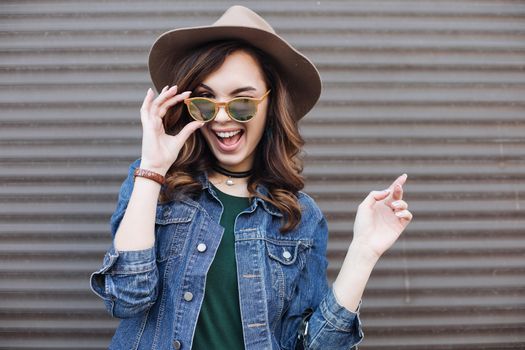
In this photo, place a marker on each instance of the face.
(232, 143)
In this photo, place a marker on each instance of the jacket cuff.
(117, 263)
(340, 317)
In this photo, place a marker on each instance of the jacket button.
(188, 296)
(177, 345)
(202, 247)
(287, 255)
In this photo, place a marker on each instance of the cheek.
(256, 131)
(258, 125)
(206, 133)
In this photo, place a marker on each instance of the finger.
(399, 205)
(165, 94)
(168, 91)
(147, 101)
(187, 130)
(397, 189)
(399, 181)
(404, 214)
(374, 196)
(398, 193)
(172, 102)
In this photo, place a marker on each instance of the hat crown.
(243, 17)
(240, 23)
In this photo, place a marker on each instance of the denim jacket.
(158, 292)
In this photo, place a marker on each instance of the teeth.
(227, 134)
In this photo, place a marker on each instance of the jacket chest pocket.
(172, 224)
(286, 260)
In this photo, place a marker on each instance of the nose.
(222, 116)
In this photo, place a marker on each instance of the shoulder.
(313, 222)
(309, 208)
(127, 185)
(134, 165)
(131, 169)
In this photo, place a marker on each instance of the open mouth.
(229, 138)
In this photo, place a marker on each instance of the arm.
(136, 230)
(380, 220)
(159, 152)
(128, 278)
(335, 323)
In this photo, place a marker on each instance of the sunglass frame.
(225, 105)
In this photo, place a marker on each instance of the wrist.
(144, 164)
(362, 253)
(351, 280)
(150, 175)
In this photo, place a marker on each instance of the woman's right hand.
(160, 150)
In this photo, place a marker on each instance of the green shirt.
(219, 325)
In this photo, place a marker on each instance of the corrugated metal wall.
(432, 88)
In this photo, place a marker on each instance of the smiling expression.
(232, 143)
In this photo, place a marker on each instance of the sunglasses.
(240, 109)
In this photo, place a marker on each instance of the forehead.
(239, 68)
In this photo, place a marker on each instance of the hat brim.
(300, 75)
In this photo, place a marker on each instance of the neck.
(235, 187)
(234, 174)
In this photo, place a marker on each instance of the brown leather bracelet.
(148, 174)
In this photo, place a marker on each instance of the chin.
(238, 158)
(229, 161)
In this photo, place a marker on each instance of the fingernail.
(173, 87)
(387, 190)
(395, 204)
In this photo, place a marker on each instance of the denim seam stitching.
(144, 268)
(162, 305)
(141, 330)
(314, 339)
(326, 309)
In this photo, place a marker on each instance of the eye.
(204, 94)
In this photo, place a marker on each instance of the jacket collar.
(261, 189)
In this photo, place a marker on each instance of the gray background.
(432, 88)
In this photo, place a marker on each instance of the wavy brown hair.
(278, 162)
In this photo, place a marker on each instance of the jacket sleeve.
(127, 280)
(330, 326)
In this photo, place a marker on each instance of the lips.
(227, 134)
(228, 140)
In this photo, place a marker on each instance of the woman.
(215, 246)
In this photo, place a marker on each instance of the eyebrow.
(233, 92)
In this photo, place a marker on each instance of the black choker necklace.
(230, 174)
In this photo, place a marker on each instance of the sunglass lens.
(202, 109)
(242, 109)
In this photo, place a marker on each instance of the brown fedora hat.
(239, 22)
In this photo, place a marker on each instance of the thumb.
(375, 196)
(187, 130)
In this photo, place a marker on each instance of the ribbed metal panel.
(435, 89)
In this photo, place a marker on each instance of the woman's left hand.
(381, 218)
